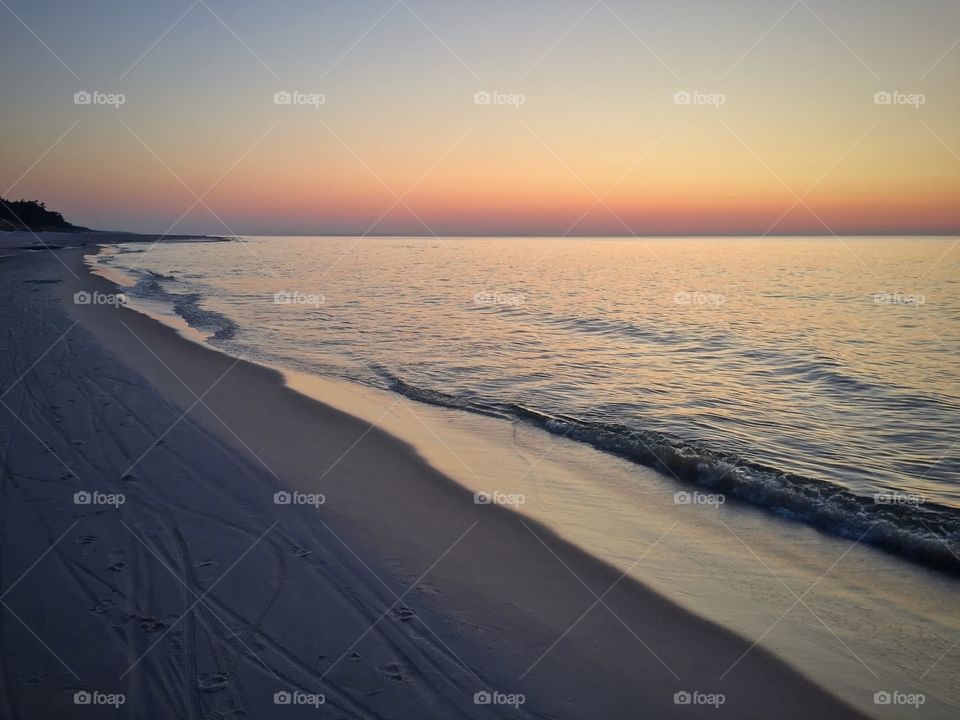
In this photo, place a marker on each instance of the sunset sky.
(599, 144)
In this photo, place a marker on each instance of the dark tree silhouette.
(32, 215)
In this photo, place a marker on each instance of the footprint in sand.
(148, 623)
(32, 680)
(152, 625)
(102, 606)
(404, 613)
(89, 543)
(392, 671)
(211, 682)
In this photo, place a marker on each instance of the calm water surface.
(805, 375)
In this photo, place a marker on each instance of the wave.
(628, 330)
(188, 305)
(924, 532)
(820, 369)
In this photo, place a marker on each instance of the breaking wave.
(188, 305)
(897, 522)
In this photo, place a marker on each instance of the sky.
(476, 117)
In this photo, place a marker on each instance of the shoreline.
(923, 533)
(497, 595)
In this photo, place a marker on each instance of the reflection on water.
(830, 360)
(834, 360)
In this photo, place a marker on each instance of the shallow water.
(812, 380)
(806, 375)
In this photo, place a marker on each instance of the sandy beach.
(381, 586)
(422, 360)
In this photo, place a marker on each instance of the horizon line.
(636, 236)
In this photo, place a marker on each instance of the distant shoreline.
(555, 236)
(31, 241)
(129, 236)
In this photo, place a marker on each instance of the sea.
(789, 400)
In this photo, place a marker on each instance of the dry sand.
(199, 597)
